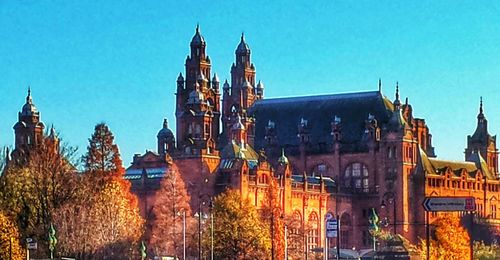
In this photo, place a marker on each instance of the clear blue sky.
(117, 61)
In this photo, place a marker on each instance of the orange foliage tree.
(239, 232)
(37, 185)
(104, 222)
(451, 240)
(273, 216)
(9, 240)
(172, 201)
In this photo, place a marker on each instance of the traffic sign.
(328, 216)
(331, 228)
(331, 233)
(449, 204)
(331, 224)
(32, 246)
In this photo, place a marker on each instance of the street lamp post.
(199, 230)
(286, 243)
(184, 235)
(200, 215)
(391, 198)
(211, 205)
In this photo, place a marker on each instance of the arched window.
(345, 229)
(294, 235)
(313, 234)
(356, 176)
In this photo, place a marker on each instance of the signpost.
(449, 204)
(435, 204)
(332, 227)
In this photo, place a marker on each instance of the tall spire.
(397, 90)
(397, 102)
(29, 99)
(481, 106)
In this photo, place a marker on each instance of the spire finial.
(379, 85)
(481, 105)
(397, 90)
(198, 27)
(165, 123)
(28, 97)
(242, 36)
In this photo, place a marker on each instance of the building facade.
(343, 154)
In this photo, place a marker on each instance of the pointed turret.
(482, 142)
(243, 48)
(166, 139)
(28, 129)
(197, 39)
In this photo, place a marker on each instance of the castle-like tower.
(28, 130)
(198, 103)
(242, 94)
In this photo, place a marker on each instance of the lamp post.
(200, 215)
(211, 205)
(391, 199)
(286, 242)
(183, 213)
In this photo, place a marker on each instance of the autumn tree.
(10, 245)
(105, 220)
(239, 232)
(451, 240)
(32, 191)
(272, 215)
(103, 155)
(172, 201)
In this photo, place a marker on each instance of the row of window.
(461, 184)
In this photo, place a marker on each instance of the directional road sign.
(449, 204)
(331, 228)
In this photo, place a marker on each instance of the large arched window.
(313, 234)
(356, 176)
(345, 229)
(295, 235)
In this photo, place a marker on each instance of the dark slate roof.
(319, 111)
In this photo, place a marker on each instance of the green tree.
(239, 231)
(9, 240)
(172, 200)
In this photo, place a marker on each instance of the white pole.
(212, 237)
(184, 233)
(286, 244)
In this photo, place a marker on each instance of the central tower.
(198, 103)
(242, 93)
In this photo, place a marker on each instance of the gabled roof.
(433, 166)
(319, 111)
